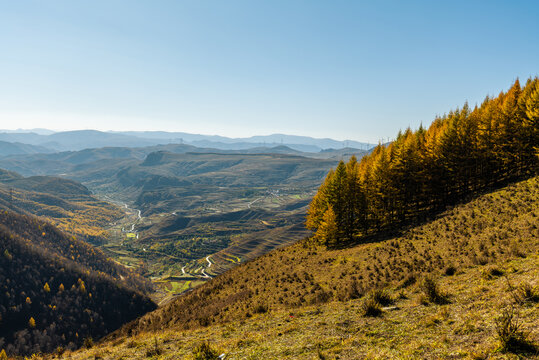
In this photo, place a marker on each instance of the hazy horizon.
(343, 70)
(46, 131)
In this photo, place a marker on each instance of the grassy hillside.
(299, 302)
(407, 329)
(59, 291)
(487, 230)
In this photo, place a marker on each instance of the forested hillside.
(58, 291)
(423, 171)
(65, 203)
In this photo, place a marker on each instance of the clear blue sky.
(356, 70)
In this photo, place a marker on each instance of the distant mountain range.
(46, 141)
(17, 148)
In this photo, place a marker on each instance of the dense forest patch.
(58, 291)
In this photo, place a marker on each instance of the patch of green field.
(173, 287)
(185, 286)
(178, 287)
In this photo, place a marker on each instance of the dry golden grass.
(492, 228)
(462, 329)
(483, 256)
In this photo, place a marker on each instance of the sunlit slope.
(492, 228)
(300, 303)
(465, 328)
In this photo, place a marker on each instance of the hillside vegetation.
(366, 260)
(411, 179)
(488, 230)
(305, 303)
(60, 291)
(421, 172)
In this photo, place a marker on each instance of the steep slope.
(466, 328)
(59, 291)
(300, 303)
(489, 229)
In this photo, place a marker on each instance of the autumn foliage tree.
(57, 290)
(461, 153)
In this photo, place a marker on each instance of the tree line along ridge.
(423, 171)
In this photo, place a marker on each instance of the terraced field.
(181, 207)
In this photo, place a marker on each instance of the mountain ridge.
(82, 139)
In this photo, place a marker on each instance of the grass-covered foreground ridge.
(465, 328)
(465, 285)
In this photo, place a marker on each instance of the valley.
(301, 302)
(172, 248)
(176, 207)
(252, 180)
(194, 241)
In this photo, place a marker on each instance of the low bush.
(382, 297)
(408, 281)
(260, 309)
(493, 272)
(429, 286)
(204, 351)
(526, 293)
(450, 270)
(350, 290)
(512, 338)
(371, 307)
